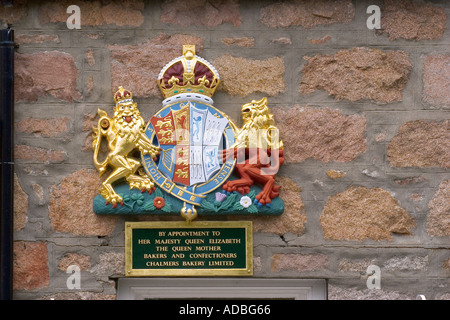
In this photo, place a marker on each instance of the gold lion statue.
(258, 151)
(125, 134)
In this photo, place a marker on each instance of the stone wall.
(364, 116)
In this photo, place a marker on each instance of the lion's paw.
(111, 197)
(143, 184)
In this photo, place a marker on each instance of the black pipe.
(7, 161)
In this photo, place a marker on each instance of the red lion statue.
(258, 151)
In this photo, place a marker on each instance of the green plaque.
(200, 248)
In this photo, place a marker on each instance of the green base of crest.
(135, 202)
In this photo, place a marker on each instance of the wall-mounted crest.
(193, 158)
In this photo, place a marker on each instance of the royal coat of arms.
(189, 158)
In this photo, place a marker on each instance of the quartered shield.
(191, 136)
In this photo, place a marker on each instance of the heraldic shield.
(193, 158)
(191, 136)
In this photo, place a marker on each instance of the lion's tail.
(99, 131)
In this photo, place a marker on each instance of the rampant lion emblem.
(258, 151)
(125, 133)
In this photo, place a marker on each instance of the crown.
(188, 74)
(122, 95)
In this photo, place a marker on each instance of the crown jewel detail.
(123, 95)
(188, 73)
